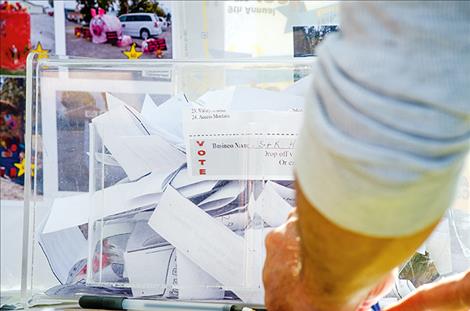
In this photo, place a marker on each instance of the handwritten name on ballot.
(233, 145)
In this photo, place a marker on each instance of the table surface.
(71, 307)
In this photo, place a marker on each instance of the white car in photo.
(143, 25)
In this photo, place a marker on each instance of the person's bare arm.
(386, 132)
(288, 288)
(449, 294)
(324, 267)
(340, 267)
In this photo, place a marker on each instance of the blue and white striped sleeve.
(387, 120)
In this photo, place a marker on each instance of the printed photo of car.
(143, 25)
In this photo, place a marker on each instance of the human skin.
(282, 274)
(324, 267)
(451, 294)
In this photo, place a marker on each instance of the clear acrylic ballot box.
(153, 178)
(161, 179)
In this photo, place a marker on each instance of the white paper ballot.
(272, 208)
(218, 99)
(236, 221)
(229, 191)
(225, 195)
(439, 247)
(286, 193)
(105, 158)
(205, 241)
(148, 270)
(236, 145)
(155, 152)
(249, 99)
(68, 212)
(183, 179)
(300, 87)
(195, 283)
(124, 197)
(63, 250)
(213, 206)
(166, 119)
(143, 236)
(144, 201)
(111, 127)
(149, 110)
(196, 189)
(113, 102)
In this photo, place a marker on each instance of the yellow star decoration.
(21, 168)
(40, 51)
(132, 53)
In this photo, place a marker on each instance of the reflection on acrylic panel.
(75, 110)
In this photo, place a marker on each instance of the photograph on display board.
(24, 26)
(12, 116)
(75, 111)
(307, 38)
(118, 29)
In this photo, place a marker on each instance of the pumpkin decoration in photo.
(15, 34)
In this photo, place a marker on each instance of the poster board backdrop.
(228, 29)
(195, 29)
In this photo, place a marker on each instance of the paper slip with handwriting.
(234, 145)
